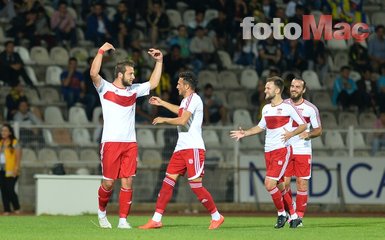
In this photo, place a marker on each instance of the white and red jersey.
(118, 106)
(275, 120)
(311, 115)
(190, 135)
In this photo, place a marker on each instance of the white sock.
(294, 216)
(215, 216)
(122, 220)
(157, 217)
(101, 214)
(282, 213)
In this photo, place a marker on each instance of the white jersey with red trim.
(311, 115)
(118, 106)
(275, 120)
(190, 135)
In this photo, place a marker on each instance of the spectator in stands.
(10, 151)
(202, 48)
(269, 8)
(270, 54)
(164, 83)
(64, 25)
(367, 89)
(74, 88)
(198, 21)
(183, 41)
(379, 138)
(26, 117)
(214, 110)
(237, 14)
(13, 99)
(317, 56)
(98, 131)
(158, 23)
(218, 30)
(174, 61)
(381, 89)
(345, 92)
(12, 66)
(358, 57)
(124, 22)
(7, 9)
(294, 55)
(376, 47)
(99, 28)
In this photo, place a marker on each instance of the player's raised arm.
(157, 72)
(159, 102)
(97, 63)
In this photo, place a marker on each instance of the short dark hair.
(189, 78)
(121, 67)
(345, 68)
(300, 79)
(9, 42)
(378, 27)
(277, 82)
(209, 86)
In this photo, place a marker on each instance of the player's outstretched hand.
(155, 101)
(237, 134)
(158, 120)
(107, 46)
(156, 54)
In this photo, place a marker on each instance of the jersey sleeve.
(142, 89)
(315, 119)
(262, 122)
(102, 86)
(193, 103)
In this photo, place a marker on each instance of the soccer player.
(300, 163)
(118, 148)
(189, 153)
(277, 119)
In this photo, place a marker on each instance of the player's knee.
(108, 184)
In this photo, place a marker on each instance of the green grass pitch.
(189, 227)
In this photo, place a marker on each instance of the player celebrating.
(189, 153)
(277, 117)
(118, 145)
(300, 163)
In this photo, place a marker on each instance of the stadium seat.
(28, 155)
(81, 54)
(145, 138)
(355, 75)
(211, 138)
(340, 59)
(68, 154)
(95, 114)
(52, 75)
(59, 55)
(40, 56)
(346, 119)
(228, 79)
(77, 115)
(151, 158)
(47, 155)
(226, 61)
(249, 79)
(49, 10)
(358, 140)
(160, 138)
(251, 142)
(210, 14)
(207, 76)
(188, 16)
(340, 153)
(72, 12)
(32, 75)
(237, 99)
(378, 18)
(222, 95)
(323, 100)
(334, 44)
(317, 143)
(367, 120)
(89, 155)
(214, 157)
(82, 40)
(82, 171)
(50, 95)
(312, 80)
(24, 54)
(82, 137)
(328, 120)
(333, 140)
(62, 137)
(32, 96)
(53, 115)
(174, 17)
(242, 118)
(226, 140)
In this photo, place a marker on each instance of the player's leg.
(128, 165)
(109, 157)
(195, 163)
(175, 168)
(276, 163)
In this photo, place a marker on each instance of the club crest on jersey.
(279, 111)
(190, 161)
(280, 162)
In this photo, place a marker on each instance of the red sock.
(104, 196)
(203, 196)
(288, 201)
(301, 202)
(125, 199)
(165, 194)
(277, 199)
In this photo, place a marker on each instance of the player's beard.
(126, 82)
(268, 98)
(295, 98)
